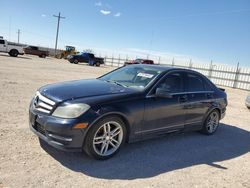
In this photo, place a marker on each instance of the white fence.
(223, 75)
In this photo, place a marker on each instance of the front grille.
(39, 128)
(43, 104)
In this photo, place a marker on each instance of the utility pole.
(18, 35)
(59, 17)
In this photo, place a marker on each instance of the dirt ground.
(184, 160)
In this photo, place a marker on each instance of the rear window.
(195, 83)
(1, 41)
(34, 48)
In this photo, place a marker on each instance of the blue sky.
(212, 29)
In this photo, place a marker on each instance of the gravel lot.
(183, 160)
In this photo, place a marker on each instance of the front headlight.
(71, 110)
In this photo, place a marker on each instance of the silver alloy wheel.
(212, 122)
(108, 138)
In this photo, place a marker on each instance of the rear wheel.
(13, 53)
(43, 56)
(105, 138)
(211, 123)
(97, 64)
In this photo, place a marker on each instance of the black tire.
(209, 127)
(13, 53)
(75, 61)
(97, 64)
(91, 149)
(43, 56)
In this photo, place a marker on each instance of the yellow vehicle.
(70, 50)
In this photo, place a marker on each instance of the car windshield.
(137, 77)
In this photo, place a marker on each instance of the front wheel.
(105, 138)
(97, 64)
(211, 123)
(13, 53)
(75, 61)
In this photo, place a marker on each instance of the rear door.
(3, 47)
(165, 114)
(35, 51)
(198, 99)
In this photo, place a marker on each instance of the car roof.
(166, 68)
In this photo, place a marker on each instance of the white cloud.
(98, 4)
(118, 14)
(105, 12)
(43, 15)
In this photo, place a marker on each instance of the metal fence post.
(105, 59)
(159, 61)
(119, 60)
(210, 70)
(173, 62)
(190, 64)
(236, 75)
(112, 61)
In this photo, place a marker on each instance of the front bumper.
(57, 132)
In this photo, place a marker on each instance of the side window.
(208, 86)
(195, 82)
(1, 41)
(34, 48)
(91, 56)
(173, 83)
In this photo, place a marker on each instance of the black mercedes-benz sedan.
(128, 104)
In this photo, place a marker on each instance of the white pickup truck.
(12, 48)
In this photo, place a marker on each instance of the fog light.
(80, 126)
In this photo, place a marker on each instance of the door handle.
(209, 95)
(183, 98)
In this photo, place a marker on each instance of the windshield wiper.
(117, 83)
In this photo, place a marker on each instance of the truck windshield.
(137, 77)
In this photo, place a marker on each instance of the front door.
(166, 114)
(3, 47)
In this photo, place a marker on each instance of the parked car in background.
(13, 49)
(85, 57)
(34, 50)
(247, 102)
(139, 61)
(126, 105)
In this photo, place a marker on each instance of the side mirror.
(162, 93)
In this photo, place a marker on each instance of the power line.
(59, 17)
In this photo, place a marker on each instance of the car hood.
(81, 88)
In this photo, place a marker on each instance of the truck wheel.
(97, 64)
(43, 56)
(13, 53)
(75, 61)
